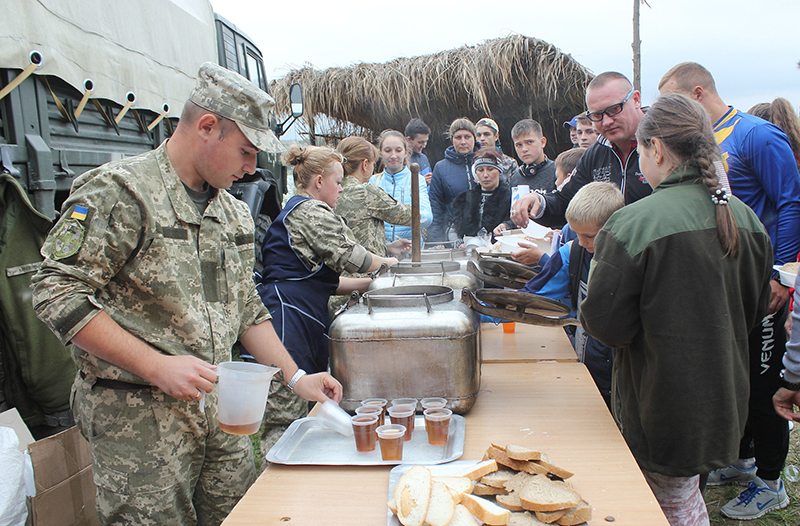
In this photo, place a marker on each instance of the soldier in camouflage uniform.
(149, 274)
(365, 206)
(305, 251)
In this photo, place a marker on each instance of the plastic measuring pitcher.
(243, 390)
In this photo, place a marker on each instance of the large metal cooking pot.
(413, 341)
(443, 273)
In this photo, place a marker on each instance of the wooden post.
(416, 234)
(637, 49)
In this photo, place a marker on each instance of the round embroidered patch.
(68, 238)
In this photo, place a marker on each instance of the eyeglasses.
(611, 111)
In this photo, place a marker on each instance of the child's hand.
(529, 255)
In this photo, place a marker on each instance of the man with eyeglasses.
(615, 109)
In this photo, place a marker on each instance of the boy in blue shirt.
(565, 275)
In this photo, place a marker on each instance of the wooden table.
(528, 343)
(554, 407)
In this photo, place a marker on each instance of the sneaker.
(757, 500)
(730, 475)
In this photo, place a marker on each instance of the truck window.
(255, 68)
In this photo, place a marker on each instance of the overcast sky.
(751, 47)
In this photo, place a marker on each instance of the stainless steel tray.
(305, 442)
(442, 470)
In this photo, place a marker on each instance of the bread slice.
(510, 502)
(479, 470)
(442, 505)
(486, 511)
(540, 494)
(483, 489)
(577, 515)
(392, 506)
(555, 470)
(521, 453)
(550, 517)
(524, 519)
(459, 485)
(517, 481)
(412, 496)
(462, 517)
(498, 478)
(503, 459)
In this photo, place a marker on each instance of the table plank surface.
(528, 343)
(554, 407)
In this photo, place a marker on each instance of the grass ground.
(718, 496)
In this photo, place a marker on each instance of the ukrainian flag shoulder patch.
(79, 213)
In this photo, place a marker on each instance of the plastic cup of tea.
(381, 402)
(243, 391)
(433, 402)
(437, 423)
(332, 416)
(372, 410)
(403, 415)
(509, 327)
(391, 438)
(364, 427)
(404, 401)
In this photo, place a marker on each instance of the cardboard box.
(62, 472)
(65, 489)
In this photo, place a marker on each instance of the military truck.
(84, 83)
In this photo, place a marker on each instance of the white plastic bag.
(12, 486)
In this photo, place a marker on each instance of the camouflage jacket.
(132, 243)
(365, 207)
(320, 236)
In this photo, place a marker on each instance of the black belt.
(119, 385)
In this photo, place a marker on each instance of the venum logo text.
(767, 342)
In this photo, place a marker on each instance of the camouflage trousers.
(158, 460)
(283, 408)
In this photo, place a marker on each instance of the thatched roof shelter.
(507, 79)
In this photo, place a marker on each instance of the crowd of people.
(671, 220)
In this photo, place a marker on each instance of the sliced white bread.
(522, 453)
(555, 470)
(498, 478)
(442, 505)
(392, 505)
(510, 502)
(483, 489)
(458, 485)
(478, 470)
(462, 517)
(412, 496)
(486, 511)
(549, 517)
(540, 494)
(524, 519)
(577, 515)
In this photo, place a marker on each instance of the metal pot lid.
(425, 267)
(408, 296)
(501, 272)
(518, 306)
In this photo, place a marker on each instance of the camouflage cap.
(231, 95)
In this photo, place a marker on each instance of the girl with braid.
(677, 282)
